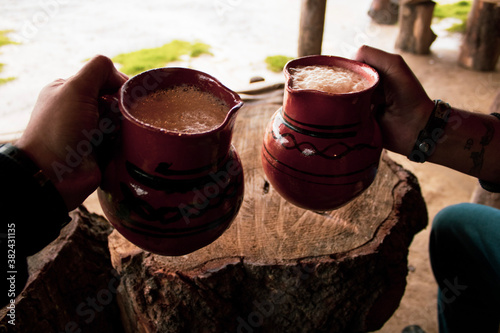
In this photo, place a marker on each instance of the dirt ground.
(441, 187)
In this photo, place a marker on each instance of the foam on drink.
(184, 109)
(330, 79)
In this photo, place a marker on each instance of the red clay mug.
(321, 150)
(169, 192)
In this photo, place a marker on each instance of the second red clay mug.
(321, 149)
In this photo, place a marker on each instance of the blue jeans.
(465, 258)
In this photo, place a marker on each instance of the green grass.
(4, 80)
(139, 61)
(5, 40)
(277, 62)
(459, 10)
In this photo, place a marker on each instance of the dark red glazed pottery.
(321, 150)
(168, 192)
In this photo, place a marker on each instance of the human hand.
(58, 137)
(401, 103)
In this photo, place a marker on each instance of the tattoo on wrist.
(468, 144)
(478, 156)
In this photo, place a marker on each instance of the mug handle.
(110, 124)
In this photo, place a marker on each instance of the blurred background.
(51, 39)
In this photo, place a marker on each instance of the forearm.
(470, 144)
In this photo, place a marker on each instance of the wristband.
(433, 131)
(25, 163)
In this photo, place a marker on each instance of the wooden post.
(384, 11)
(481, 46)
(415, 34)
(312, 21)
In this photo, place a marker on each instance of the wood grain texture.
(278, 267)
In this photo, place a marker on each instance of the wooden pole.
(481, 46)
(312, 21)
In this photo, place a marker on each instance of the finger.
(97, 76)
(123, 75)
(380, 60)
(368, 54)
(392, 68)
(55, 83)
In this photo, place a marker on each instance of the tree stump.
(480, 48)
(72, 283)
(280, 268)
(384, 11)
(415, 33)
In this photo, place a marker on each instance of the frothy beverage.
(184, 109)
(330, 79)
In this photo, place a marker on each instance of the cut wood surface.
(280, 268)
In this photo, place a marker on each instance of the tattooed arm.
(471, 144)
(471, 141)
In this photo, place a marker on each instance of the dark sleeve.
(491, 187)
(32, 213)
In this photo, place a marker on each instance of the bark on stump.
(480, 48)
(415, 33)
(480, 195)
(71, 286)
(384, 11)
(279, 268)
(312, 21)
